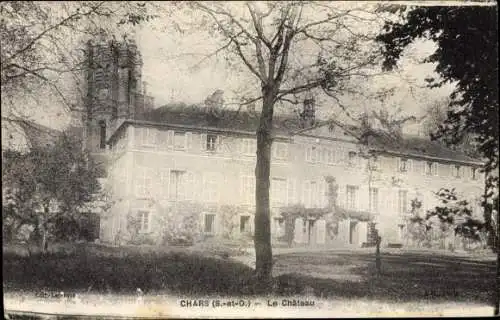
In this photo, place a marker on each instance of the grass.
(122, 271)
(407, 277)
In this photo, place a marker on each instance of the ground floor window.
(244, 224)
(143, 218)
(209, 223)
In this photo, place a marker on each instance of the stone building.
(188, 172)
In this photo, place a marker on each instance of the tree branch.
(257, 22)
(233, 38)
(284, 56)
(319, 22)
(299, 89)
(53, 27)
(212, 54)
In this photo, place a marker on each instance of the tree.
(290, 48)
(455, 214)
(435, 116)
(41, 51)
(467, 51)
(49, 183)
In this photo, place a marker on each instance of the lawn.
(406, 276)
(411, 279)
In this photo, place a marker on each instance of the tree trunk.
(497, 291)
(43, 229)
(44, 245)
(262, 236)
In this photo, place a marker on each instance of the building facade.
(163, 169)
(188, 173)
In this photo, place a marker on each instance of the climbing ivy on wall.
(291, 213)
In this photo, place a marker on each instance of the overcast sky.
(169, 57)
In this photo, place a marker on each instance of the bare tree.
(41, 52)
(290, 48)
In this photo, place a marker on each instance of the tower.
(114, 88)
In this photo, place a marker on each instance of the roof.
(288, 125)
(413, 146)
(224, 119)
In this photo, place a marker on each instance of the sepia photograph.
(249, 159)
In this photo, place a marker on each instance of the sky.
(169, 60)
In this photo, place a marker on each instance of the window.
(99, 75)
(248, 189)
(248, 146)
(102, 134)
(179, 140)
(373, 200)
(143, 220)
(473, 173)
(278, 191)
(147, 136)
(280, 150)
(431, 168)
(330, 156)
(403, 165)
(352, 158)
(455, 171)
(315, 154)
(177, 185)
(244, 224)
(311, 194)
(352, 197)
(144, 183)
(209, 225)
(402, 201)
(373, 163)
(114, 111)
(211, 142)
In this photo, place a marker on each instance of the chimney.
(307, 115)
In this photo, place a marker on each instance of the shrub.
(181, 225)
